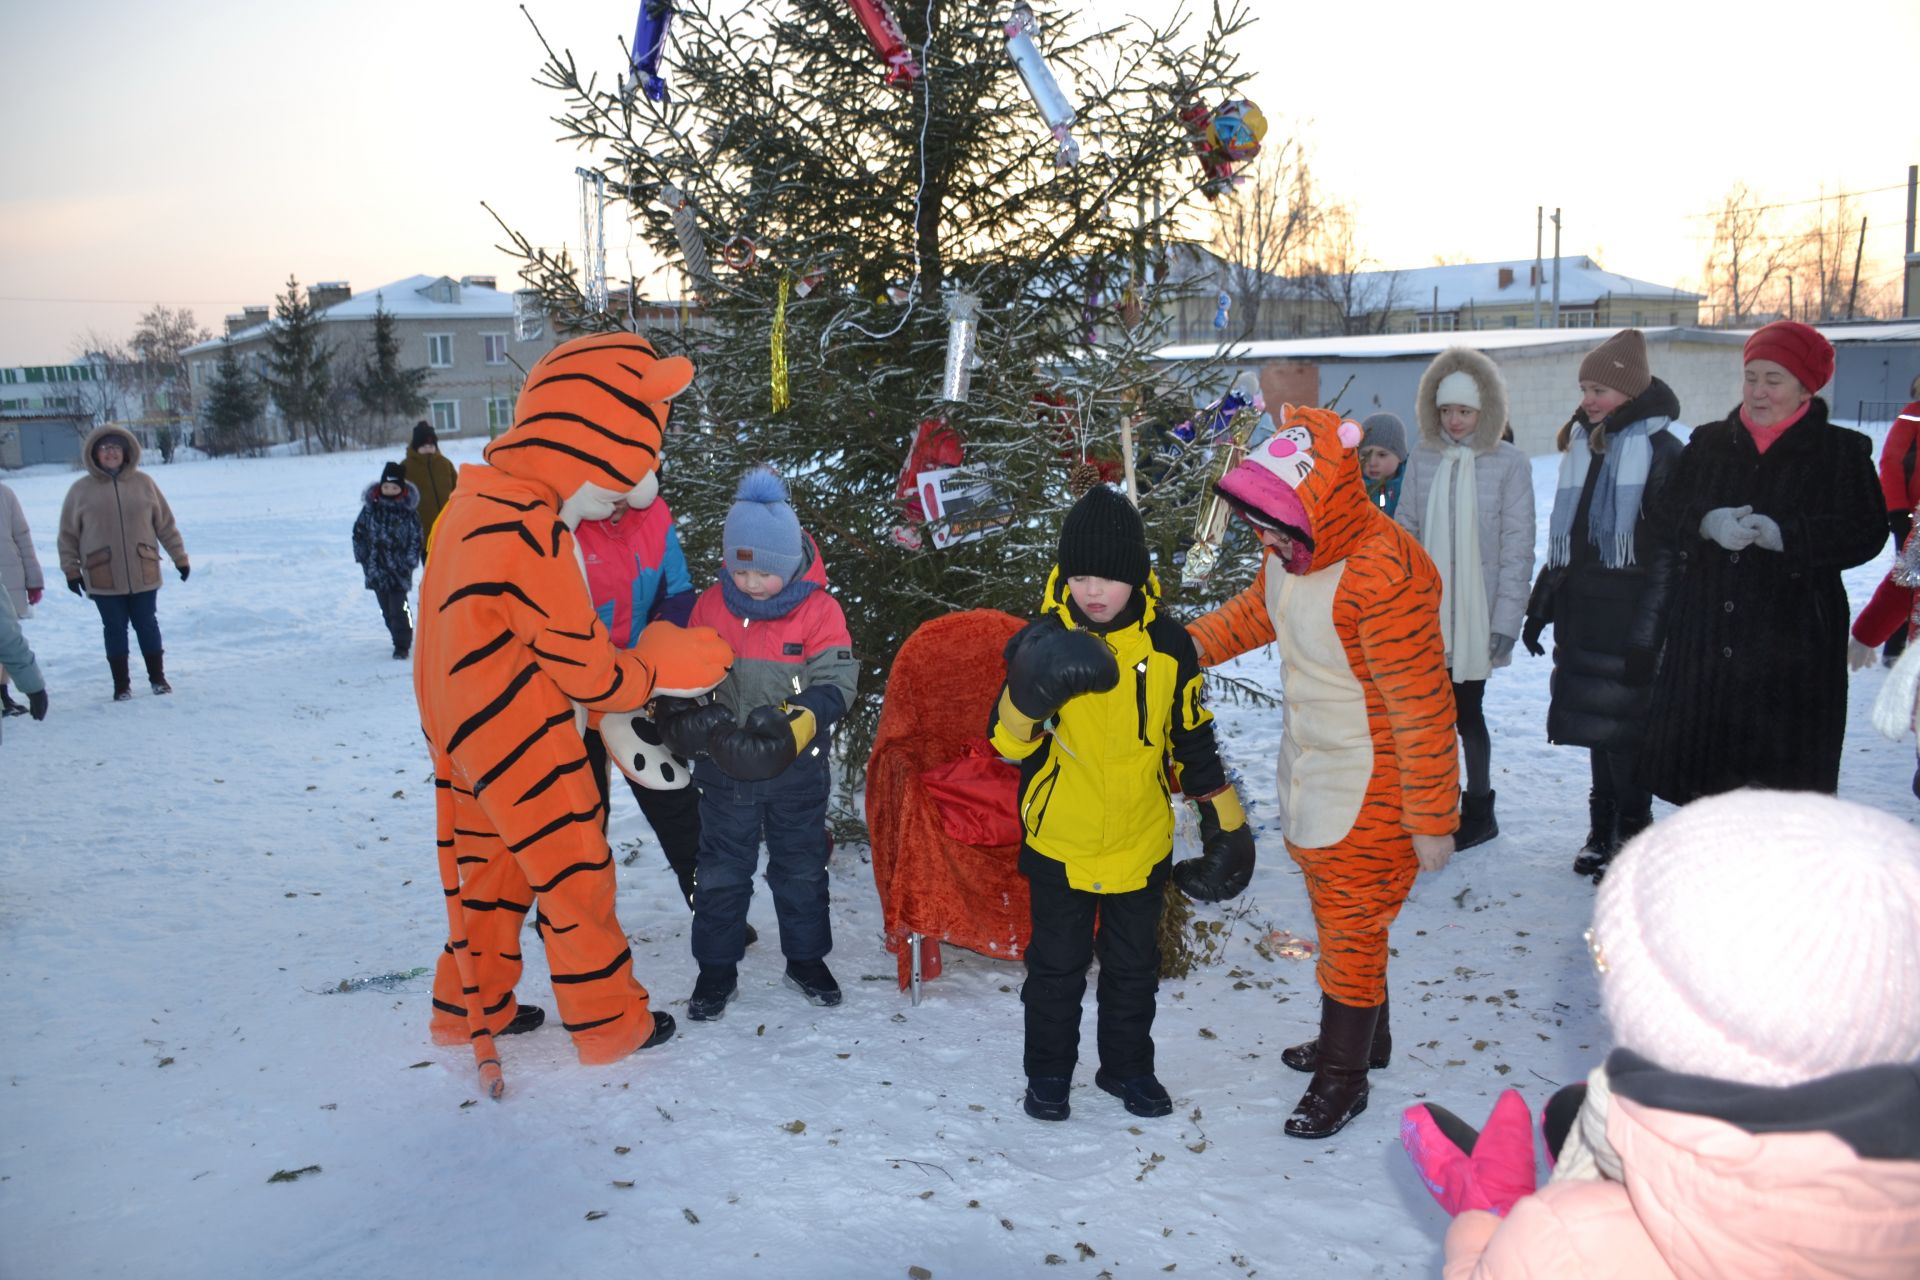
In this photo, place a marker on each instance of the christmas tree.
(826, 206)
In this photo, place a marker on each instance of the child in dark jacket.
(1103, 692)
(1383, 458)
(388, 547)
(762, 747)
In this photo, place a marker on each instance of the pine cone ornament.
(1081, 477)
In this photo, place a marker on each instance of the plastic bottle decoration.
(1054, 106)
(962, 332)
(782, 389)
(1222, 303)
(686, 230)
(883, 30)
(649, 40)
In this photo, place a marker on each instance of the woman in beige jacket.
(19, 576)
(113, 527)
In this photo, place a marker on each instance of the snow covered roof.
(421, 297)
(1582, 281)
(1393, 346)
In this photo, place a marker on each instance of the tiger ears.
(664, 378)
(1351, 433)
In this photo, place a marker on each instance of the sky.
(196, 153)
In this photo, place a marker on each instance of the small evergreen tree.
(230, 417)
(299, 368)
(385, 389)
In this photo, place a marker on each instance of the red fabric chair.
(940, 694)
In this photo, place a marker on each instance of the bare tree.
(1262, 231)
(1748, 261)
(160, 368)
(1340, 277)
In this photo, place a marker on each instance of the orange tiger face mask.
(590, 422)
(1304, 480)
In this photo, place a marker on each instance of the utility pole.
(1906, 267)
(1556, 268)
(1539, 227)
(1853, 290)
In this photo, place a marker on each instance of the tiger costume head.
(1305, 481)
(589, 423)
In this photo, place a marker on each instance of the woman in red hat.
(1766, 508)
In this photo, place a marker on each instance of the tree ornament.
(649, 40)
(782, 396)
(1222, 303)
(1054, 105)
(686, 230)
(593, 237)
(883, 30)
(1226, 136)
(935, 446)
(1215, 418)
(1081, 477)
(1210, 529)
(962, 332)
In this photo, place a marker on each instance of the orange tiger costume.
(1367, 756)
(508, 643)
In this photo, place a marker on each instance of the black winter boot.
(1338, 1091)
(122, 682)
(1306, 1055)
(1047, 1097)
(1603, 838)
(157, 673)
(1477, 825)
(812, 979)
(1630, 826)
(8, 707)
(1141, 1095)
(716, 985)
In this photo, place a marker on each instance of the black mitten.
(1530, 636)
(1048, 663)
(37, 704)
(1225, 864)
(761, 748)
(686, 724)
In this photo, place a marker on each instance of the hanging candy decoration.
(962, 332)
(782, 390)
(883, 30)
(686, 230)
(1055, 107)
(1222, 303)
(649, 40)
(936, 445)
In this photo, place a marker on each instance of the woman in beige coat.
(19, 576)
(113, 527)
(1468, 497)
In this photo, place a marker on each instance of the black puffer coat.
(386, 539)
(1601, 615)
(1752, 690)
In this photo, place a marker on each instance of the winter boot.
(156, 672)
(525, 1019)
(122, 682)
(1306, 1056)
(8, 707)
(1047, 1097)
(663, 1029)
(1142, 1095)
(1603, 837)
(1629, 828)
(716, 985)
(812, 979)
(1338, 1090)
(1476, 821)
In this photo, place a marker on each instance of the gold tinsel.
(781, 391)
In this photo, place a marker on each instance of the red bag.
(978, 797)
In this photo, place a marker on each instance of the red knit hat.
(1795, 347)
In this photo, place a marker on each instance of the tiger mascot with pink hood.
(509, 647)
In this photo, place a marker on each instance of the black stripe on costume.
(492, 1009)
(576, 1027)
(623, 481)
(619, 678)
(498, 904)
(638, 406)
(453, 1009)
(625, 956)
(623, 342)
(507, 761)
(555, 657)
(506, 526)
(477, 721)
(490, 589)
(554, 775)
(510, 957)
(490, 647)
(564, 820)
(574, 635)
(575, 869)
(468, 860)
(555, 535)
(517, 506)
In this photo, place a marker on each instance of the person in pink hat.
(1765, 508)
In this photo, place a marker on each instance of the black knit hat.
(1102, 537)
(394, 473)
(423, 433)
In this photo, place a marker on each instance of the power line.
(1793, 204)
(134, 302)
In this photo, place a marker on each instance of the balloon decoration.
(1224, 137)
(962, 332)
(936, 446)
(1054, 106)
(883, 30)
(649, 39)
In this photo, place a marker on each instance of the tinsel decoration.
(593, 237)
(1906, 565)
(1054, 106)
(781, 390)
(686, 230)
(962, 335)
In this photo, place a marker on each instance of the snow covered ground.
(187, 882)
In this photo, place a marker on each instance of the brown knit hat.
(1620, 362)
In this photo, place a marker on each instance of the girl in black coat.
(388, 547)
(1766, 509)
(1607, 584)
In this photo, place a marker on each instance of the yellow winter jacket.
(1093, 786)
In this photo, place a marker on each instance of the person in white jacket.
(1468, 498)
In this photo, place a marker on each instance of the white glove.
(1766, 532)
(1860, 656)
(1433, 851)
(1727, 526)
(1893, 709)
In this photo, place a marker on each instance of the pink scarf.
(1763, 437)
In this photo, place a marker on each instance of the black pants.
(1614, 779)
(1474, 739)
(1064, 945)
(393, 611)
(673, 815)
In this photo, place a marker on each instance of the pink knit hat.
(1766, 937)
